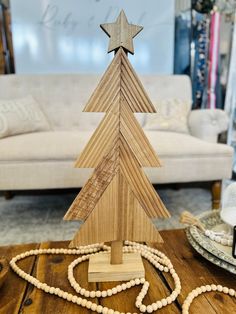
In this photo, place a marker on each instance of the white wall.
(64, 35)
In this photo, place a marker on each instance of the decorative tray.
(214, 252)
(210, 257)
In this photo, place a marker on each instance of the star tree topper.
(121, 33)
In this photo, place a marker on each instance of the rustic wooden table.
(17, 296)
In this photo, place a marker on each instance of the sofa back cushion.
(63, 96)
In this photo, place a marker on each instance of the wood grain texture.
(13, 290)
(117, 216)
(100, 268)
(52, 269)
(6, 46)
(119, 80)
(133, 222)
(116, 252)
(101, 224)
(121, 33)
(140, 184)
(100, 143)
(192, 268)
(136, 138)
(4, 270)
(108, 89)
(216, 190)
(132, 88)
(195, 271)
(95, 186)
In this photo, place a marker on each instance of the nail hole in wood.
(57, 259)
(219, 297)
(28, 302)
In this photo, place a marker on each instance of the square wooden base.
(101, 270)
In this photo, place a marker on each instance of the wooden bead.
(98, 294)
(164, 302)
(78, 300)
(137, 281)
(219, 288)
(83, 302)
(143, 308)
(92, 294)
(94, 307)
(105, 310)
(119, 288)
(99, 309)
(208, 288)
(104, 294)
(231, 292)
(82, 291)
(88, 304)
(69, 296)
(154, 306)
(149, 309)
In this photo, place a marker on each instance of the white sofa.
(45, 160)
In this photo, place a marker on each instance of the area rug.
(36, 218)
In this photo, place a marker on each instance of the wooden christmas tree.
(118, 199)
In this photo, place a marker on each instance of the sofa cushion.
(46, 159)
(62, 145)
(177, 145)
(43, 146)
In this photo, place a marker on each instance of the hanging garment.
(182, 45)
(213, 76)
(200, 40)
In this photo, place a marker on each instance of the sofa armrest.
(207, 124)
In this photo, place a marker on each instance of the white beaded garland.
(220, 237)
(207, 288)
(155, 257)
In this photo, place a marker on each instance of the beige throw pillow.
(18, 116)
(172, 115)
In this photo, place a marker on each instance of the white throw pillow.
(18, 116)
(172, 115)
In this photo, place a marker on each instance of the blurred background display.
(60, 36)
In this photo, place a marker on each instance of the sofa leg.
(216, 194)
(8, 195)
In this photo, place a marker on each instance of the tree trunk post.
(116, 252)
